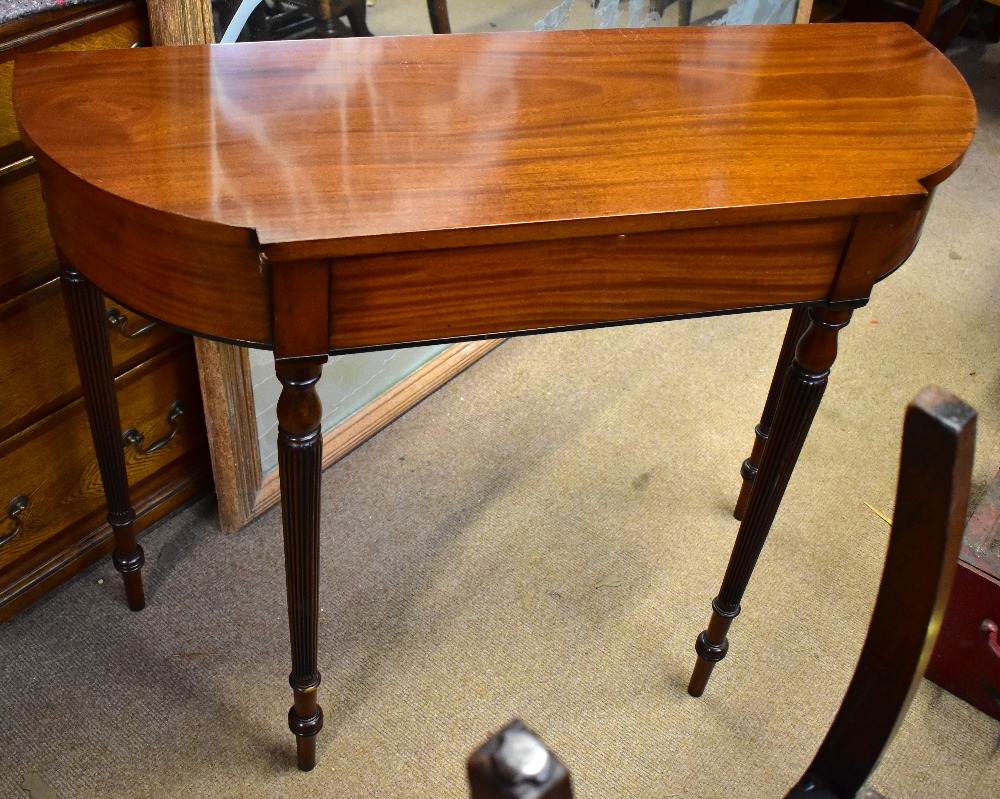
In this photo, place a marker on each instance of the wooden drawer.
(110, 26)
(27, 252)
(53, 465)
(38, 370)
(966, 659)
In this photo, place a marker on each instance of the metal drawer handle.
(133, 436)
(117, 319)
(17, 506)
(990, 628)
(17, 166)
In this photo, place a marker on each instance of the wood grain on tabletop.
(379, 142)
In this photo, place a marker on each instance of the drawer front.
(38, 370)
(98, 31)
(966, 659)
(27, 252)
(52, 466)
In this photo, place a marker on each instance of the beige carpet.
(541, 539)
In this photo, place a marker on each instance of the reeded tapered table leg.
(300, 463)
(797, 405)
(88, 328)
(797, 324)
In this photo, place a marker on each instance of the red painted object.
(966, 660)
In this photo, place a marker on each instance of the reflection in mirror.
(349, 383)
(258, 20)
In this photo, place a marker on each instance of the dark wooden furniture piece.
(683, 9)
(54, 518)
(932, 496)
(307, 19)
(492, 185)
(302, 19)
(438, 11)
(953, 22)
(966, 660)
(327, 12)
(939, 21)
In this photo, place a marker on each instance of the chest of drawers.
(52, 513)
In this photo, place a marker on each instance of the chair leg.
(797, 406)
(797, 324)
(928, 16)
(438, 12)
(993, 29)
(684, 12)
(300, 462)
(953, 23)
(357, 17)
(89, 331)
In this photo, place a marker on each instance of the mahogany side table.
(323, 197)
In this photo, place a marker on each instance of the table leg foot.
(130, 568)
(305, 720)
(799, 400)
(797, 324)
(305, 752)
(711, 646)
(89, 332)
(300, 462)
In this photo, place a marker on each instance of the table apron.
(211, 280)
(379, 300)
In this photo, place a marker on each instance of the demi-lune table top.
(463, 186)
(359, 143)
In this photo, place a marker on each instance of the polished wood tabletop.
(380, 144)
(328, 196)
(320, 149)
